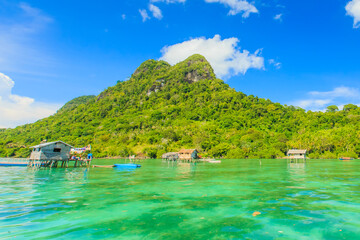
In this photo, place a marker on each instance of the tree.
(332, 108)
(350, 107)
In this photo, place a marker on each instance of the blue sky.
(302, 53)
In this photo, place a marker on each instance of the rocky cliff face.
(199, 69)
(193, 69)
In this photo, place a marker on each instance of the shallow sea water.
(237, 199)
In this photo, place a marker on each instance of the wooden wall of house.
(194, 155)
(48, 153)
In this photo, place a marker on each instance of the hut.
(50, 153)
(188, 154)
(297, 154)
(171, 156)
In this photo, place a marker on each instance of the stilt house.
(171, 156)
(51, 151)
(296, 154)
(188, 154)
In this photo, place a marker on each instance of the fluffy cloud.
(317, 101)
(144, 14)
(224, 55)
(156, 12)
(17, 110)
(237, 6)
(353, 10)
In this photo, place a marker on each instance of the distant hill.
(164, 108)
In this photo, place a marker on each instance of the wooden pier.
(25, 162)
(58, 163)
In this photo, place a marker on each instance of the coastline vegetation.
(164, 108)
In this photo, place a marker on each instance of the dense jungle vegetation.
(164, 108)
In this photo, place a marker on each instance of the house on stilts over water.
(188, 154)
(52, 154)
(297, 154)
(171, 156)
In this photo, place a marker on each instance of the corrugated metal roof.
(50, 143)
(297, 151)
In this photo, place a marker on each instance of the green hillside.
(76, 102)
(165, 108)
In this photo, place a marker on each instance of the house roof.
(297, 151)
(187, 151)
(50, 143)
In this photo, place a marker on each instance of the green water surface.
(319, 199)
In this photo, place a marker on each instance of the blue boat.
(14, 162)
(2, 164)
(127, 166)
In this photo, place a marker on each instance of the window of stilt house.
(57, 149)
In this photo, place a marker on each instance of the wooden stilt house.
(49, 154)
(171, 156)
(188, 154)
(297, 154)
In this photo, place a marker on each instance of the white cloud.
(35, 13)
(318, 101)
(156, 12)
(237, 6)
(338, 92)
(144, 14)
(224, 55)
(353, 9)
(275, 63)
(278, 17)
(313, 104)
(17, 110)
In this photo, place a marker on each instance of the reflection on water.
(182, 168)
(237, 199)
(297, 170)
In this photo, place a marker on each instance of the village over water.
(180, 119)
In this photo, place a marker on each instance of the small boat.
(345, 158)
(14, 164)
(214, 161)
(120, 166)
(127, 165)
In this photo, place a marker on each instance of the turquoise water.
(237, 199)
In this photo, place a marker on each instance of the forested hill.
(164, 108)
